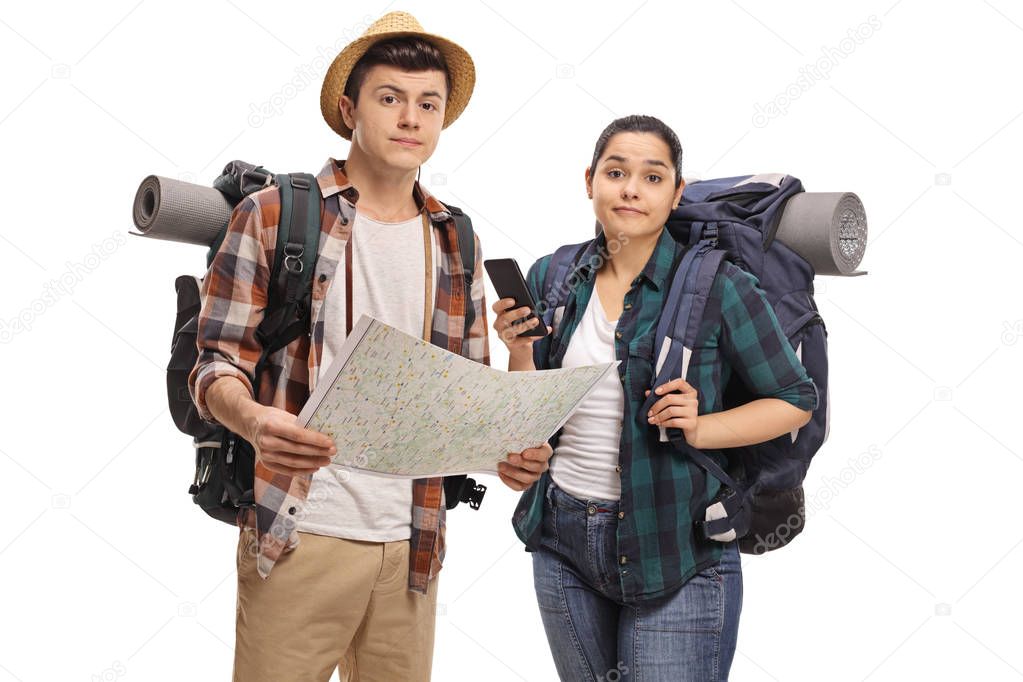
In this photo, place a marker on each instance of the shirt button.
(291, 510)
(624, 560)
(628, 306)
(621, 515)
(344, 220)
(618, 335)
(323, 278)
(618, 468)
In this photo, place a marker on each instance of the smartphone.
(509, 283)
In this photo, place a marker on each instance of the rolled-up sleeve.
(234, 296)
(753, 343)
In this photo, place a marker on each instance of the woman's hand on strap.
(677, 408)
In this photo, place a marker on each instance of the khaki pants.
(332, 603)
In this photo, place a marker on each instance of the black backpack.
(225, 462)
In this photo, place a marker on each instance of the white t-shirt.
(388, 279)
(584, 461)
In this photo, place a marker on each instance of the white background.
(909, 566)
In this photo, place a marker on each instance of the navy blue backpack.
(761, 501)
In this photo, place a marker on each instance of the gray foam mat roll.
(179, 211)
(828, 229)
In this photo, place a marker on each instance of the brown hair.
(407, 53)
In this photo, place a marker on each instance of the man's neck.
(385, 194)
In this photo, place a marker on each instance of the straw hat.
(393, 25)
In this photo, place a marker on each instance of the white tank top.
(584, 461)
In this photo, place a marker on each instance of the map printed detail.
(399, 406)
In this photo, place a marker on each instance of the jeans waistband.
(558, 497)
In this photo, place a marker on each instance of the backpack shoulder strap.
(298, 239)
(461, 488)
(555, 294)
(467, 251)
(466, 244)
(677, 331)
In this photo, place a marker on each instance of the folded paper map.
(399, 406)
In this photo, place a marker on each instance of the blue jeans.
(687, 635)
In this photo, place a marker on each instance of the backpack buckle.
(472, 493)
(293, 257)
(709, 233)
(475, 495)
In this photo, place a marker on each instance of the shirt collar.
(658, 266)
(654, 272)
(332, 180)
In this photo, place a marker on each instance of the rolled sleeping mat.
(828, 229)
(179, 211)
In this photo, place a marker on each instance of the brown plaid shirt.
(234, 296)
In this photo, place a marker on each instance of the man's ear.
(347, 109)
(589, 183)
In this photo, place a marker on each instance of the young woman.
(627, 589)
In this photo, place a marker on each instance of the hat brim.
(460, 67)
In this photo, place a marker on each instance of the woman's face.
(633, 187)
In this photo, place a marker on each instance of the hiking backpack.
(224, 462)
(761, 501)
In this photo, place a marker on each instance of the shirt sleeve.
(754, 344)
(234, 296)
(479, 342)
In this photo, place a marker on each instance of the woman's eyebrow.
(650, 162)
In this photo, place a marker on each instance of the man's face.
(399, 115)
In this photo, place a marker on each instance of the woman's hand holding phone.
(516, 304)
(510, 329)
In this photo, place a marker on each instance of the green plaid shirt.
(663, 491)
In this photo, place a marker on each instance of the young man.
(354, 556)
